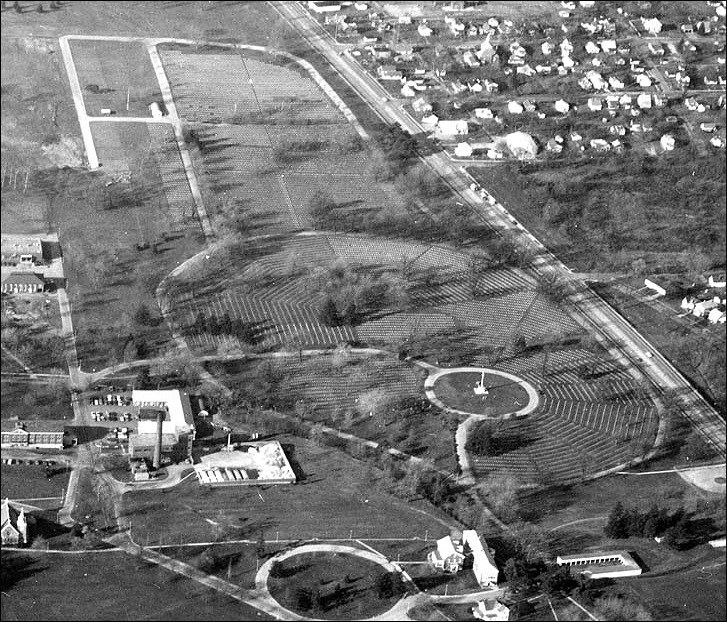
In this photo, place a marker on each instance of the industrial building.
(248, 464)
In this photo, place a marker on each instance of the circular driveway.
(261, 579)
(533, 397)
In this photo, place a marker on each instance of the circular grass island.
(334, 586)
(505, 394)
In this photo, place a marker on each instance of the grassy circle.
(339, 586)
(456, 390)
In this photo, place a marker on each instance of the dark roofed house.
(22, 283)
(48, 434)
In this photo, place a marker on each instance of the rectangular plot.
(109, 72)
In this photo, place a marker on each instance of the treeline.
(679, 530)
(633, 203)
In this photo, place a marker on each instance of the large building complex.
(177, 429)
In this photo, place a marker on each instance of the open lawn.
(115, 75)
(107, 586)
(32, 400)
(694, 594)
(29, 481)
(247, 22)
(335, 499)
(343, 587)
(504, 396)
(109, 278)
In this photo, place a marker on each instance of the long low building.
(46, 434)
(248, 464)
(610, 564)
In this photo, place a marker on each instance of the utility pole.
(128, 96)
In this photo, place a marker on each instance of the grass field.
(334, 500)
(345, 583)
(30, 400)
(246, 22)
(113, 74)
(457, 391)
(29, 481)
(107, 586)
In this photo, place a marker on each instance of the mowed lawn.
(457, 391)
(29, 481)
(107, 586)
(112, 73)
(336, 499)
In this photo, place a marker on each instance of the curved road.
(592, 309)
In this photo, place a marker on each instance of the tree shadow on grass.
(15, 568)
(289, 450)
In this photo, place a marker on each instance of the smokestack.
(158, 444)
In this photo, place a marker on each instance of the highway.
(589, 308)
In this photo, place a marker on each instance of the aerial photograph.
(374, 310)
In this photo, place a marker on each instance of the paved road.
(584, 302)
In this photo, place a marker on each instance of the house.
(469, 59)
(14, 529)
(487, 52)
(483, 562)
(528, 105)
(598, 144)
(702, 308)
(716, 141)
(36, 434)
(491, 609)
(553, 146)
(388, 72)
(448, 555)
(625, 101)
(667, 142)
(463, 150)
(547, 48)
(453, 128)
(642, 80)
(615, 83)
(617, 130)
(617, 146)
(514, 107)
(651, 25)
(430, 122)
(575, 137)
(595, 103)
(592, 48)
(608, 46)
(490, 86)
(22, 283)
(708, 127)
(643, 100)
(656, 49)
(421, 106)
(716, 316)
(381, 52)
(596, 79)
(424, 30)
(717, 284)
(562, 106)
(483, 113)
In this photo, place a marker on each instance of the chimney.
(158, 444)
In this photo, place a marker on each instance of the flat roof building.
(610, 564)
(255, 463)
